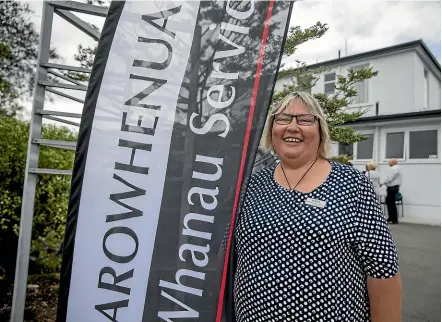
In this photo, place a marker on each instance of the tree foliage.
(19, 43)
(50, 200)
(334, 106)
(18, 54)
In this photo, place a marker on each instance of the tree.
(333, 105)
(50, 199)
(18, 55)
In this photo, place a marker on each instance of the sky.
(364, 25)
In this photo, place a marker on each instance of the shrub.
(51, 197)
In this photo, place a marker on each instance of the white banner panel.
(135, 138)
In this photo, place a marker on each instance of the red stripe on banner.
(244, 154)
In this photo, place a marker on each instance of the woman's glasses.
(301, 119)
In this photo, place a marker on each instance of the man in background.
(393, 183)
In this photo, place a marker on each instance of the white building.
(403, 121)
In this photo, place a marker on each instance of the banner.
(175, 107)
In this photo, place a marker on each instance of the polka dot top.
(299, 262)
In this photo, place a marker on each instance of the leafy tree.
(19, 42)
(50, 200)
(334, 106)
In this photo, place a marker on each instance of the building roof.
(367, 54)
(397, 117)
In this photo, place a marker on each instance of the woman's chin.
(291, 154)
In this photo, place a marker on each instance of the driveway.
(420, 260)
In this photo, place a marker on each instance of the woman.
(374, 177)
(311, 241)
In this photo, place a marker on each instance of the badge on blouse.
(315, 202)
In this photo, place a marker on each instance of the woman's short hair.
(283, 105)
(372, 165)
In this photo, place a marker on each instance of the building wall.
(398, 87)
(434, 92)
(279, 86)
(421, 187)
(425, 98)
(394, 86)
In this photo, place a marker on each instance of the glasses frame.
(315, 118)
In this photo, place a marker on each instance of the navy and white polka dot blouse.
(298, 262)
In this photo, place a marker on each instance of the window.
(329, 83)
(426, 96)
(346, 149)
(394, 147)
(361, 88)
(423, 144)
(364, 149)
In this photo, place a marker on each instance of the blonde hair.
(284, 104)
(372, 165)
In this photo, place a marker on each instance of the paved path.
(419, 249)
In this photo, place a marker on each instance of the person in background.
(393, 183)
(311, 240)
(374, 177)
(366, 170)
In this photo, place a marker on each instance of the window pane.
(329, 88)
(362, 92)
(329, 77)
(395, 145)
(346, 149)
(423, 144)
(365, 148)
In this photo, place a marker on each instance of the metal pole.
(27, 209)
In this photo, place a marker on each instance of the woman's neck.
(299, 163)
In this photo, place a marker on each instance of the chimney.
(339, 53)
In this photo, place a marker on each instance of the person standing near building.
(374, 177)
(310, 242)
(393, 183)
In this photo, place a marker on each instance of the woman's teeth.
(292, 140)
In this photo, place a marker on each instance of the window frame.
(373, 152)
(363, 65)
(352, 145)
(421, 129)
(329, 82)
(406, 131)
(384, 146)
(426, 105)
(368, 64)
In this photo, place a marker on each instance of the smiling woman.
(311, 240)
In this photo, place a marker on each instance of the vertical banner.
(174, 111)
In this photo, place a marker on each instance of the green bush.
(50, 199)
(345, 159)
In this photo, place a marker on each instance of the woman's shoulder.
(263, 175)
(354, 177)
(348, 172)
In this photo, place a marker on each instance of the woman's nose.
(293, 125)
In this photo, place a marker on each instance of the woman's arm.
(385, 298)
(378, 256)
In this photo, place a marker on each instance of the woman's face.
(293, 141)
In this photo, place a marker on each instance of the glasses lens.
(306, 119)
(283, 119)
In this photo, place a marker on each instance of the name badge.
(315, 202)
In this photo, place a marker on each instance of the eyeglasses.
(301, 119)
